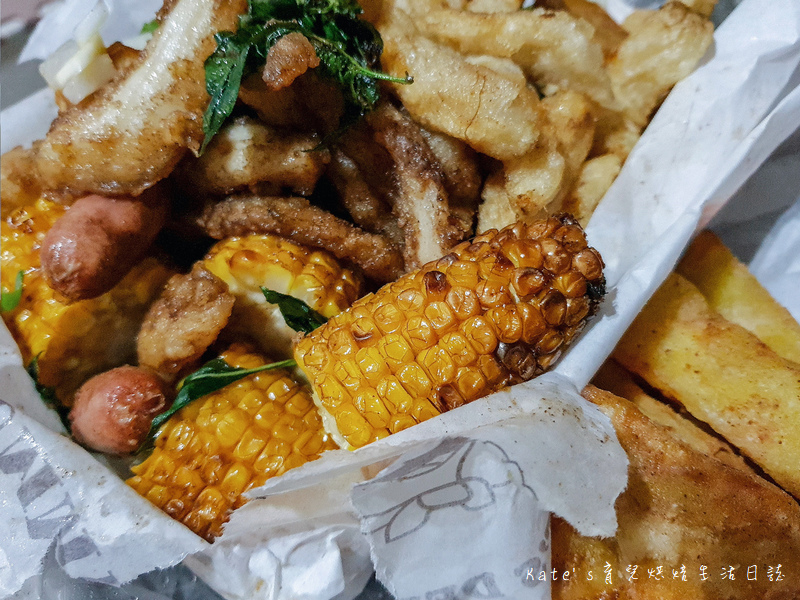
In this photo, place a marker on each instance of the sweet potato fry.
(721, 374)
(682, 508)
(736, 294)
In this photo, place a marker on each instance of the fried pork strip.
(420, 199)
(132, 133)
(296, 219)
(249, 156)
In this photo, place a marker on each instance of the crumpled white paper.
(710, 135)
(777, 263)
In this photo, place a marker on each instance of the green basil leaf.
(224, 71)
(48, 394)
(150, 27)
(10, 300)
(297, 314)
(348, 48)
(212, 376)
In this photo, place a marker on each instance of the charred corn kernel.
(495, 311)
(248, 263)
(73, 341)
(216, 448)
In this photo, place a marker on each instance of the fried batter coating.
(296, 219)
(183, 322)
(19, 183)
(133, 131)
(248, 155)
(291, 56)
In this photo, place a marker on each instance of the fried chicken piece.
(291, 56)
(183, 322)
(249, 156)
(420, 200)
(132, 132)
(681, 508)
(296, 219)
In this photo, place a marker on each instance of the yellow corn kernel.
(247, 263)
(216, 448)
(78, 340)
(495, 311)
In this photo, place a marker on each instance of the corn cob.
(73, 341)
(493, 312)
(218, 447)
(247, 263)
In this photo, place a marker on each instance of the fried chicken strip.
(296, 219)
(250, 156)
(132, 132)
(420, 200)
(183, 322)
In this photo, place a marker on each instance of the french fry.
(523, 188)
(493, 113)
(553, 47)
(736, 294)
(681, 508)
(662, 48)
(721, 374)
(595, 177)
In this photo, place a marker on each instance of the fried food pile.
(703, 394)
(256, 169)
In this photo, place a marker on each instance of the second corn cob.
(495, 311)
(72, 341)
(216, 448)
(248, 263)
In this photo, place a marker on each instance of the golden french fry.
(492, 6)
(568, 119)
(662, 47)
(607, 32)
(493, 113)
(553, 47)
(682, 508)
(721, 374)
(701, 7)
(736, 294)
(595, 177)
(523, 188)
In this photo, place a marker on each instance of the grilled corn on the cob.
(250, 262)
(493, 312)
(218, 447)
(73, 341)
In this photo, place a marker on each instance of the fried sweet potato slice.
(682, 508)
(721, 374)
(132, 132)
(736, 294)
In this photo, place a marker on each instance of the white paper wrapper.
(777, 263)
(532, 449)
